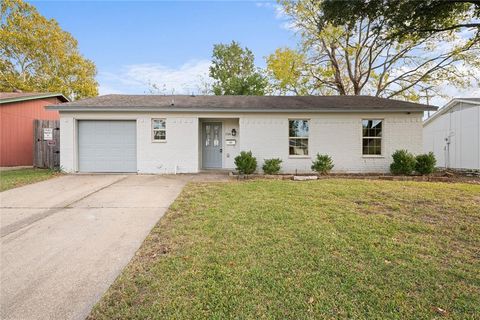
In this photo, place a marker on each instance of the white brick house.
(188, 134)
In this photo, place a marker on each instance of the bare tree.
(359, 57)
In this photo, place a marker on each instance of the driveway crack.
(20, 224)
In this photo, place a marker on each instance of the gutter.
(452, 103)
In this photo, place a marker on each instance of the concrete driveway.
(65, 240)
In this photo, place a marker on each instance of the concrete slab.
(143, 191)
(57, 192)
(58, 266)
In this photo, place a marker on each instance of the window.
(159, 130)
(298, 137)
(372, 137)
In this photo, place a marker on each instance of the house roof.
(9, 97)
(452, 103)
(473, 100)
(179, 103)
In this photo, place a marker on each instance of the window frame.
(381, 138)
(155, 130)
(305, 156)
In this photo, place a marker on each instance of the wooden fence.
(46, 150)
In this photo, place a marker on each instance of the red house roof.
(8, 97)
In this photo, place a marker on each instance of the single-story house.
(453, 134)
(188, 134)
(18, 110)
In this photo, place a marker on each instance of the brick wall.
(266, 135)
(338, 135)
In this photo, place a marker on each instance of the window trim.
(154, 130)
(382, 149)
(299, 156)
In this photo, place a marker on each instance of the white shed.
(453, 134)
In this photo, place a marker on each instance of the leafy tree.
(37, 55)
(286, 69)
(407, 17)
(359, 57)
(234, 72)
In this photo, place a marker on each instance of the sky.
(169, 43)
(165, 42)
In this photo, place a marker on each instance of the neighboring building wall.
(16, 129)
(454, 137)
(338, 135)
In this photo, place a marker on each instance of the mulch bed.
(441, 176)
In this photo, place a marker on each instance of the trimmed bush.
(322, 164)
(246, 163)
(425, 163)
(403, 162)
(272, 166)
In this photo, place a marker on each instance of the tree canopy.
(286, 69)
(407, 17)
(360, 56)
(37, 55)
(234, 71)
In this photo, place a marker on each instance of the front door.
(212, 145)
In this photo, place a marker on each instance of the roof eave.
(467, 101)
(446, 108)
(34, 97)
(231, 110)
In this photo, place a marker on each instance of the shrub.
(322, 164)
(272, 166)
(403, 162)
(246, 163)
(425, 163)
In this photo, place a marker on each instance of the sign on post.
(47, 133)
(47, 141)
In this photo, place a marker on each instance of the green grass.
(307, 250)
(15, 178)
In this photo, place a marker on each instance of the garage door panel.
(107, 146)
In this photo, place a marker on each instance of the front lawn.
(15, 178)
(307, 250)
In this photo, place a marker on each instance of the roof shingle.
(243, 103)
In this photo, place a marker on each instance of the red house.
(17, 112)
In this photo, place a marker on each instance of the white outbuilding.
(453, 134)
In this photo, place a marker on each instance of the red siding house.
(18, 110)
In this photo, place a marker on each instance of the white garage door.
(107, 146)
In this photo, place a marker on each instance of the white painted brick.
(266, 135)
(338, 135)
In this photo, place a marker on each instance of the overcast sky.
(170, 42)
